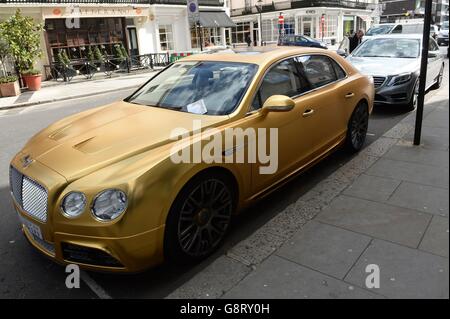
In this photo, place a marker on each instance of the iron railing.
(88, 68)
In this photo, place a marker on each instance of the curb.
(247, 255)
(70, 97)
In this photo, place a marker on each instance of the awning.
(214, 19)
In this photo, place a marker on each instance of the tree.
(23, 36)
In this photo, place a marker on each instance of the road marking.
(95, 287)
(370, 134)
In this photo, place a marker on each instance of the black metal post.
(423, 72)
(201, 36)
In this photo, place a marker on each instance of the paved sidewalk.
(388, 206)
(51, 92)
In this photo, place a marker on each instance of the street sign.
(193, 12)
(280, 19)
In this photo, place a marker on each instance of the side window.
(433, 45)
(397, 29)
(282, 79)
(340, 73)
(318, 69)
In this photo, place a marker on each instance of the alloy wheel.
(204, 218)
(359, 125)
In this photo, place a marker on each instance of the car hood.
(88, 141)
(384, 66)
(443, 33)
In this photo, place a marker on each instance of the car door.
(326, 104)
(434, 62)
(293, 142)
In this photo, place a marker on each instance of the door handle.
(349, 95)
(308, 112)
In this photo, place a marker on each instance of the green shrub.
(8, 79)
(31, 72)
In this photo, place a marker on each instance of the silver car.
(394, 63)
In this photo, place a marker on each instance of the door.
(307, 28)
(292, 144)
(434, 62)
(324, 108)
(132, 41)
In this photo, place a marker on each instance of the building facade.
(140, 26)
(395, 10)
(327, 20)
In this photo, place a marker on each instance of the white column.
(340, 27)
(223, 38)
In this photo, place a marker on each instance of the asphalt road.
(24, 273)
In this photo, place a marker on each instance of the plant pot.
(10, 89)
(33, 82)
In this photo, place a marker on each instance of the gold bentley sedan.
(159, 175)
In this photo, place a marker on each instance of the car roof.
(398, 36)
(260, 56)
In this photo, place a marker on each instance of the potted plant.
(32, 78)
(23, 37)
(9, 86)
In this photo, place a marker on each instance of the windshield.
(213, 88)
(389, 48)
(380, 29)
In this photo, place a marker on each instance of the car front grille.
(378, 81)
(28, 194)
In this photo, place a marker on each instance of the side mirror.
(278, 103)
(341, 52)
(432, 54)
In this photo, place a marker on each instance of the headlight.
(73, 204)
(400, 79)
(109, 204)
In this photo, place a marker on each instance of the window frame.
(250, 111)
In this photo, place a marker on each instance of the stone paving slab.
(420, 155)
(280, 278)
(432, 138)
(395, 224)
(327, 249)
(436, 237)
(404, 272)
(221, 275)
(412, 172)
(424, 198)
(372, 187)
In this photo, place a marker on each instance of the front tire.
(199, 218)
(357, 128)
(412, 104)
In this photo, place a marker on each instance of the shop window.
(166, 37)
(240, 32)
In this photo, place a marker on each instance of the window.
(433, 45)
(166, 37)
(240, 32)
(318, 69)
(397, 29)
(340, 73)
(329, 27)
(282, 79)
(270, 30)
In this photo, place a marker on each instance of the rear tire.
(199, 218)
(357, 128)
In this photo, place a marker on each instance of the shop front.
(327, 24)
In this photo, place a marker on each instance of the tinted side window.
(433, 46)
(282, 79)
(318, 69)
(340, 73)
(397, 29)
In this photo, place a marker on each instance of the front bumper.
(123, 254)
(115, 247)
(398, 94)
